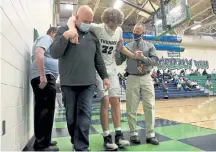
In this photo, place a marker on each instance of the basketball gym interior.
(184, 36)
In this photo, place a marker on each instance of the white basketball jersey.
(108, 44)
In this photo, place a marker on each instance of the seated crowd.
(162, 78)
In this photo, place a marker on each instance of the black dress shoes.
(152, 141)
(53, 143)
(47, 149)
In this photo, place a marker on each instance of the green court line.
(60, 116)
(60, 125)
(183, 131)
(164, 146)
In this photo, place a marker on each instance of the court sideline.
(181, 124)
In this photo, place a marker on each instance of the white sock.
(106, 133)
(118, 129)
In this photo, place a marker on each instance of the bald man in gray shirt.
(140, 79)
(77, 66)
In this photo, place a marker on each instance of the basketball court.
(181, 125)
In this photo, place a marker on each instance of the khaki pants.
(134, 84)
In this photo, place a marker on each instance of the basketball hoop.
(177, 15)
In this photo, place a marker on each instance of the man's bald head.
(85, 9)
(84, 15)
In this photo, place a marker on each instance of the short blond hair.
(112, 15)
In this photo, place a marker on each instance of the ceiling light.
(118, 4)
(69, 6)
(158, 22)
(196, 27)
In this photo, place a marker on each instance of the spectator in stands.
(44, 72)
(156, 82)
(140, 78)
(175, 80)
(173, 72)
(209, 83)
(154, 74)
(182, 73)
(179, 86)
(197, 72)
(124, 83)
(158, 73)
(204, 72)
(120, 78)
(196, 84)
(169, 72)
(165, 87)
(192, 84)
(185, 85)
(208, 76)
(214, 72)
(167, 76)
(187, 71)
(191, 72)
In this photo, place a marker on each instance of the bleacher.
(173, 92)
(201, 80)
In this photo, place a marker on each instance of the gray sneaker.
(135, 139)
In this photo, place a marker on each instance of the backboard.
(213, 3)
(177, 12)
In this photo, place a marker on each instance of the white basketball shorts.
(114, 89)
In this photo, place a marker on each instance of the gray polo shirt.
(148, 61)
(50, 64)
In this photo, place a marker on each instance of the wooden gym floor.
(197, 111)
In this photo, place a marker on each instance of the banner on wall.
(176, 63)
(173, 54)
